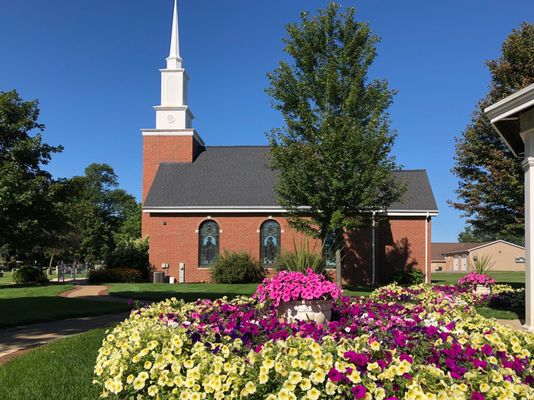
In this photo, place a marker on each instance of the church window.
(330, 246)
(208, 242)
(269, 242)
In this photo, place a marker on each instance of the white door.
(455, 266)
(464, 262)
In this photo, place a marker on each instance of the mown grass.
(513, 313)
(194, 291)
(62, 370)
(27, 305)
(7, 278)
(515, 279)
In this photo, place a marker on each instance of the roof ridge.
(238, 146)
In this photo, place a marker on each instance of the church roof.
(238, 177)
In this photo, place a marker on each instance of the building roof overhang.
(274, 210)
(505, 117)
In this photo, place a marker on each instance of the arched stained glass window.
(208, 246)
(330, 245)
(269, 242)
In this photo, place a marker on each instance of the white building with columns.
(513, 119)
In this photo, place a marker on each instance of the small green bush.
(113, 275)
(132, 254)
(29, 275)
(301, 258)
(236, 267)
(408, 277)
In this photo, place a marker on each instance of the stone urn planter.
(482, 290)
(319, 311)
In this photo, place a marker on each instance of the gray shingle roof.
(239, 177)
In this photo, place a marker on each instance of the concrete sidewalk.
(14, 341)
(93, 293)
(20, 339)
(512, 323)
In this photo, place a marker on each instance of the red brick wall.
(174, 239)
(158, 149)
(401, 243)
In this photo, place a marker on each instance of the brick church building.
(200, 200)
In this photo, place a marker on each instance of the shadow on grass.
(502, 313)
(29, 310)
(33, 285)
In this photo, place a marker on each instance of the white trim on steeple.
(173, 116)
(174, 61)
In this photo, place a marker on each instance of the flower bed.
(287, 286)
(401, 343)
(474, 279)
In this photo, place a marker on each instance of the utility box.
(181, 272)
(159, 277)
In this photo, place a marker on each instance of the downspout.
(427, 280)
(373, 252)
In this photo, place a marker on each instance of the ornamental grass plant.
(301, 258)
(481, 264)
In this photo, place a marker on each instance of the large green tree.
(490, 190)
(30, 219)
(101, 215)
(333, 154)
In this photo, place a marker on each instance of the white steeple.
(173, 116)
(174, 61)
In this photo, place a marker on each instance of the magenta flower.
(359, 391)
(335, 376)
(287, 286)
(473, 279)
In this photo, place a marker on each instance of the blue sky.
(94, 67)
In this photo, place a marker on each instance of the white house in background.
(513, 119)
(456, 257)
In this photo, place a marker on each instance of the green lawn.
(62, 370)
(514, 313)
(6, 279)
(26, 305)
(194, 291)
(515, 279)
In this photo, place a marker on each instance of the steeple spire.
(174, 61)
(173, 113)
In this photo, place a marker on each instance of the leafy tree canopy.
(333, 154)
(29, 216)
(491, 183)
(100, 214)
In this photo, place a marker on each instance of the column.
(528, 166)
